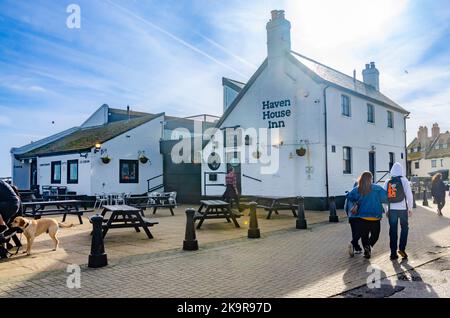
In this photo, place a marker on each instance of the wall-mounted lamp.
(97, 147)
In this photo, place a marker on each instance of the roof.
(337, 78)
(242, 92)
(443, 139)
(235, 85)
(430, 151)
(85, 139)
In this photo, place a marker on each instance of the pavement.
(283, 263)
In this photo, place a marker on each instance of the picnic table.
(154, 201)
(125, 216)
(276, 203)
(64, 207)
(215, 209)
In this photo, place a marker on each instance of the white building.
(428, 155)
(344, 125)
(78, 158)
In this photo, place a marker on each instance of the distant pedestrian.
(401, 201)
(438, 191)
(368, 199)
(231, 191)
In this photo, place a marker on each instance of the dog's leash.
(18, 248)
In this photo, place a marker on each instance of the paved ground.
(285, 263)
(75, 242)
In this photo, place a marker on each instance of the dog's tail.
(62, 225)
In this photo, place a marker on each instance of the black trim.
(244, 175)
(69, 163)
(134, 162)
(52, 172)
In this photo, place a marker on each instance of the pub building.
(329, 127)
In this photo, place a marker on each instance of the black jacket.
(7, 194)
(438, 190)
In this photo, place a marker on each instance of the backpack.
(395, 190)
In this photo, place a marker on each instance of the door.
(33, 174)
(372, 164)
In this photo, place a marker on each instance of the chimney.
(435, 131)
(371, 76)
(422, 136)
(278, 36)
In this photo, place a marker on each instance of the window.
(129, 171)
(347, 160)
(433, 163)
(416, 165)
(370, 114)
(391, 160)
(345, 105)
(56, 172)
(333, 149)
(72, 171)
(390, 119)
(437, 146)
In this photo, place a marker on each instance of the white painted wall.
(20, 173)
(84, 172)
(425, 166)
(105, 177)
(307, 123)
(357, 133)
(97, 177)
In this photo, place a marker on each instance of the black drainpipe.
(326, 143)
(408, 172)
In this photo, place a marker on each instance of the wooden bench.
(215, 209)
(275, 204)
(65, 207)
(125, 216)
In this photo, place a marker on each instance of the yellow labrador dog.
(33, 228)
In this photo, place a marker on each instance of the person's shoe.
(403, 254)
(358, 251)
(351, 250)
(394, 257)
(367, 252)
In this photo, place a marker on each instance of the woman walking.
(438, 190)
(368, 198)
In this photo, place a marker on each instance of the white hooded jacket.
(397, 171)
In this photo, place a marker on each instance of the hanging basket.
(300, 151)
(143, 159)
(106, 160)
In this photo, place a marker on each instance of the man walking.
(400, 199)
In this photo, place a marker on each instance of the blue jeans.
(394, 216)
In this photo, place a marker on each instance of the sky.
(171, 55)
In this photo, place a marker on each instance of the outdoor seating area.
(127, 233)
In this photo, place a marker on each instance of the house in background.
(428, 155)
(342, 127)
(113, 151)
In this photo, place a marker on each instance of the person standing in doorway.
(438, 191)
(231, 191)
(400, 199)
(368, 199)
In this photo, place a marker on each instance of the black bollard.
(301, 221)
(425, 199)
(190, 241)
(98, 257)
(414, 199)
(333, 215)
(253, 230)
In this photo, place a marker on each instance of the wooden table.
(276, 203)
(125, 216)
(160, 201)
(64, 207)
(215, 209)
